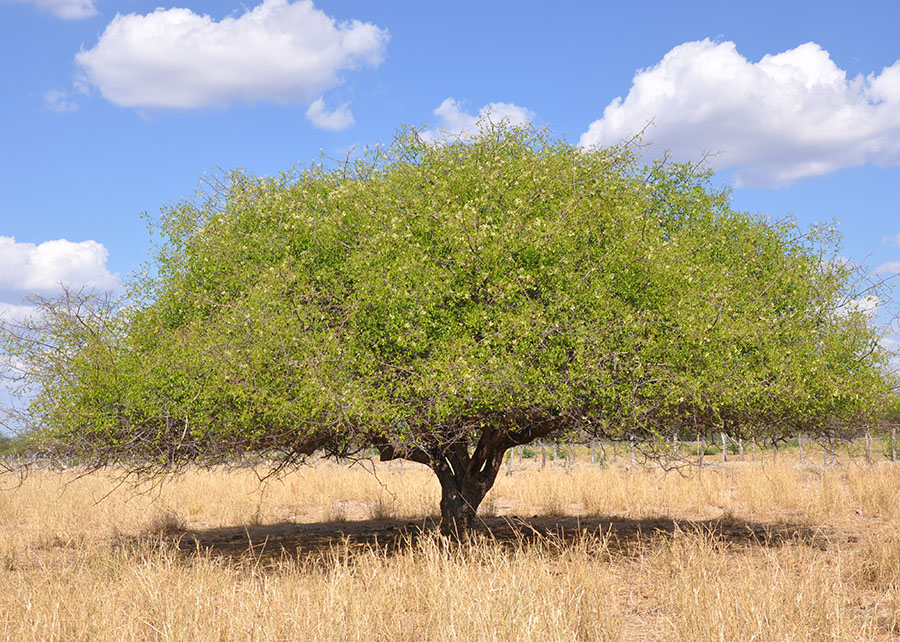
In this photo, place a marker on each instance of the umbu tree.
(443, 303)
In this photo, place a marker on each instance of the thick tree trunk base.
(457, 515)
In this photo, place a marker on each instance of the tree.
(443, 303)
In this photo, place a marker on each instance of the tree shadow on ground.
(624, 536)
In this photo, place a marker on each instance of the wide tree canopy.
(444, 302)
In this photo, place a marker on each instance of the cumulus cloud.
(454, 122)
(790, 116)
(335, 121)
(893, 240)
(892, 345)
(12, 313)
(868, 305)
(58, 101)
(65, 9)
(279, 51)
(30, 267)
(891, 267)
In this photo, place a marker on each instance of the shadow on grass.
(622, 536)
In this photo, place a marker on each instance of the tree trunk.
(868, 448)
(465, 480)
(724, 448)
(457, 511)
(893, 444)
(465, 474)
(741, 449)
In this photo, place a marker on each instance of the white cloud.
(11, 312)
(27, 267)
(65, 9)
(280, 51)
(868, 305)
(456, 123)
(892, 345)
(789, 116)
(59, 102)
(335, 121)
(893, 240)
(891, 267)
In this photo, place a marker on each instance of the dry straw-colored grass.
(71, 567)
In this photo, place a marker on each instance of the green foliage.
(12, 446)
(708, 448)
(422, 294)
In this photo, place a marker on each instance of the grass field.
(762, 550)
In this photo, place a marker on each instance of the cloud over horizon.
(790, 116)
(279, 51)
(454, 122)
(30, 267)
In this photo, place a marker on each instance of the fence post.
(543, 455)
(893, 444)
(701, 450)
(868, 448)
(724, 449)
(800, 443)
(741, 448)
(631, 439)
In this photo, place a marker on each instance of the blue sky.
(110, 109)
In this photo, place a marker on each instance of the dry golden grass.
(85, 559)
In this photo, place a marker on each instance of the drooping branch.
(389, 452)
